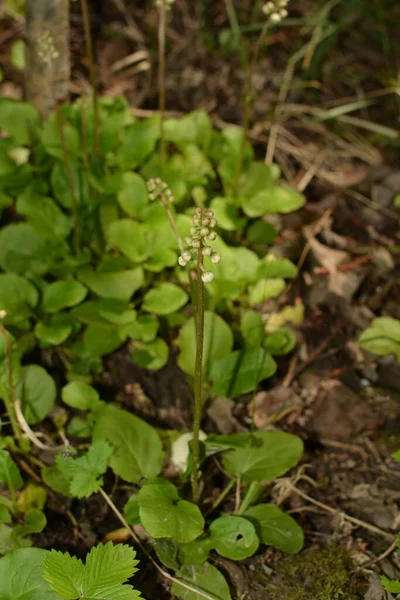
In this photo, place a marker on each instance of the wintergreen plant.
(383, 337)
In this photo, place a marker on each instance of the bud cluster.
(47, 50)
(200, 234)
(159, 190)
(275, 10)
(166, 3)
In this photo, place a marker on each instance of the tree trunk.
(46, 82)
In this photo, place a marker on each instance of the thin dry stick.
(31, 434)
(353, 520)
(380, 558)
(136, 539)
(92, 74)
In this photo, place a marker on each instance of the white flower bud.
(215, 258)
(196, 221)
(204, 231)
(19, 155)
(3, 314)
(268, 8)
(213, 222)
(207, 251)
(212, 236)
(193, 230)
(182, 261)
(283, 13)
(196, 243)
(186, 255)
(207, 277)
(275, 18)
(189, 241)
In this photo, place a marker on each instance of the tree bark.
(46, 83)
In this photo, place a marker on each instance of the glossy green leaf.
(257, 178)
(31, 586)
(226, 213)
(261, 233)
(131, 510)
(80, 395)
(128, 237)
(196, 552)
(279, 342)
(138, 143)
(18, 297)
(240, 371)
(164, 299)
(383, 337)
(151, 355)
(276, 528)
(22, 250)
(4, 365)
(119, 284)
(277, 267)
(86, 472)
(61, 184)
(206, 578)
(19, 119)
(133, 196)
(277, 199)
(9, 473)
(54, 141)
(137, 444)
(63, 294)
(99, 340)
(144, 329)
(270, 454)
(265, 289)
(252, 328)
(37, 391)
(44, 215)
(164, 514)
(232, 537)
(55, 331)
(218, 342)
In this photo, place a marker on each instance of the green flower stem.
(9, 400)
(198, 377)
(252, 496)
(92, 72)
(162, 26)
(74, 200)
(222, 495)
(248, 95)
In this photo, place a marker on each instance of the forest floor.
(335, 137)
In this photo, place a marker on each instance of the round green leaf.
(163, 514)
(37, 391)
(99, 340)
(278, 199)
(252, 328)
(281, 341)
(131, 510)
(233, 538)
(276, 528)
(138, 446)
(151, 355)
(128, 237)
(115, 284)
(270, 454)
(226, 213)
(196, 552)
(17, 297)
(80, 395)
(144, 329)
(56, 331)
(22, 250)
(261, 232)
(206, 578)
(265, 289)
(277, 267)
(63, 294)
(383, 337)
(241, 371)
(164, 299)
(19, 120)
(218, 342)
(133, 196)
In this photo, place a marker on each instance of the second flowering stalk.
(197, 248)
